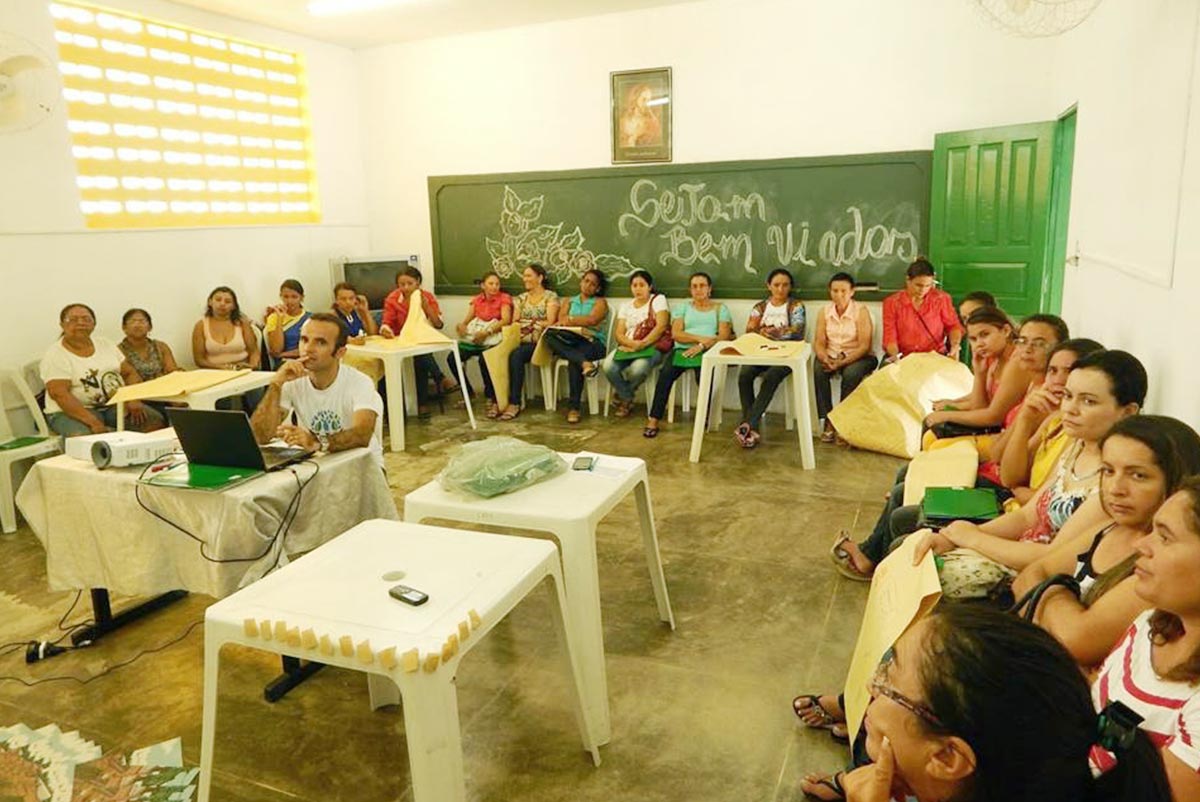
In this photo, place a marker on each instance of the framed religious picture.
(641, 116)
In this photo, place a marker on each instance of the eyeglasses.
(879, 687)
(1038, 344)
(79, 319)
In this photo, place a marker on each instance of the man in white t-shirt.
(336, 406)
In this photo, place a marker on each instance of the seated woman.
(975, 705)
(1155, 669)
(842, 346)
(224, 337)
(282, 322)
(970, 302)
(354, 311)
(778, 317)
(487, 313)
(857, 561)
(1000, 381)
(395, 315)
(583, 351)
(641, 323)
(696, 326)
(150, 358)
(1144, 459)
(81, 374)
(535, 310)
(1102, 389)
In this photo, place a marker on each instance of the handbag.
(475, 327)
(665, 342)
(1027, 606)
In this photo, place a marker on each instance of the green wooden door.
(990, 213)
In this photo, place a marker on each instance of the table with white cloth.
(97, 536)
(398, 371)
(716, 362)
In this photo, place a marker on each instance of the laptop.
(223, 438)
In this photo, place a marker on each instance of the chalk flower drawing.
(525, 240)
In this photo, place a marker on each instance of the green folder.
(682, 361)
(944, 504)
(625, 356)
(21, 442)
(200, 477)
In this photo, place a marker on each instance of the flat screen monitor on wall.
(373, 277)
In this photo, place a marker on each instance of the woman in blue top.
(696, 326)
(284, 320)
(354, 311)
(583, 350)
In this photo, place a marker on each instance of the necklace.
(1076, 477)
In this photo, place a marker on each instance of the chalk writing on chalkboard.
(678, 217)
(523, 240)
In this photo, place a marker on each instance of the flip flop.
(742, 433)
(842, 562)
(832, 784)
(510, 414)
(492, 412)
(650, 433)
(752, 440)
(827, 722)
(573, 416)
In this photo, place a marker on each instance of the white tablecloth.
(96, 535)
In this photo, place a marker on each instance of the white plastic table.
(209, 396)
(802, 395)
(569, 506)
(393, 377)
(337, 595)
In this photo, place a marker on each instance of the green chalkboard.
(737, 221)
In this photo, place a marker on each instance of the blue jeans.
(627, 376)
(64, 424)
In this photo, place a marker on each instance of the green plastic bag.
(499, 465)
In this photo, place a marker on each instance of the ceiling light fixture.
(331, 8)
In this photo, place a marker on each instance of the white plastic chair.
(45, 445)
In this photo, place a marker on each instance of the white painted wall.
(1136, 194)
(48, 258)
(752, 79)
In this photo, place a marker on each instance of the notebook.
(945, 504)
(200, 477)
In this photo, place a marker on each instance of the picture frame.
(641, 115)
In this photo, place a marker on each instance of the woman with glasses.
(857, 561)
(81, 374)
(975, 705)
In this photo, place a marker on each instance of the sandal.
(742, 433)
(812, 705)
(752, 439)
(650, 432)
(572, 416)
(593, 372)
(492, 411)
(842, 562)
(511, 413)
(829, 785)
(840, 732)
(623, 408)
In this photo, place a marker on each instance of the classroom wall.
(1135, 201)
(752, 79)
(49, 258)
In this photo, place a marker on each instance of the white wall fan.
(29, 88)
(1037, 18)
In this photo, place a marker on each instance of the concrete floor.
(702, 713)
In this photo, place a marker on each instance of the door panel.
(990, 213)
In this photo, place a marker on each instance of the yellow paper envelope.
(901, 593)
(952, 466)
(416, 330)
(496, 358)
(174, 385)
(758, 345)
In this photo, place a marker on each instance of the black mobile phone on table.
(583, 463)
(408, 595)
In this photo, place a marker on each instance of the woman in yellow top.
(283, 321)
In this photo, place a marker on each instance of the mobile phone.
(408, 595)
(583, 463)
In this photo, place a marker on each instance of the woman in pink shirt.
(842, 346)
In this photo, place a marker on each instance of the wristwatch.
(323, 443)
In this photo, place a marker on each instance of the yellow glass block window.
(172, 126)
